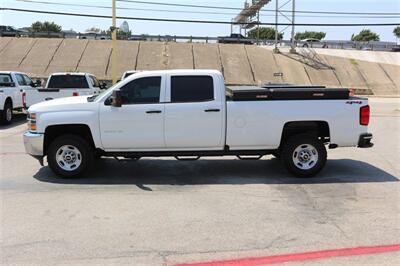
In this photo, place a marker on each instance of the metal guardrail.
(333, 44)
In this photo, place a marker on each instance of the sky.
(80, 24)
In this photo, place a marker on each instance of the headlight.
(32, 121)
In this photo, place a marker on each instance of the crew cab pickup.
(12, 85)
(191, 113)
(61, 85)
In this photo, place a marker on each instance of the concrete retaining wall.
(241, 65)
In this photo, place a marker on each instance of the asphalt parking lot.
(164, 212)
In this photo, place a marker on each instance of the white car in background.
(12, 85)
(312, 43)
(60, 85)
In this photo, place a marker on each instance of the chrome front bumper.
(34, 144)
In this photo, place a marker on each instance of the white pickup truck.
(191, 113)
(12, 85)
(60, 85)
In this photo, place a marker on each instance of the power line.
(186, 12)
(195, 21)
(264, 10)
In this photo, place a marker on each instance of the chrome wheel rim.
(69, 158)
(305, 156)
(8, 114)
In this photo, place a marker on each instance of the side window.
(20, 80)
(192, 89)
(94, 81)
(142, 90)
(27, 79)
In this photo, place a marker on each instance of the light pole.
(293, 46)
(114, 44)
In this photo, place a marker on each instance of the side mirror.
(36, 83)
(116, 98)
(103, 85)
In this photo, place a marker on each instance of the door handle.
(212, 110)
(153, 112)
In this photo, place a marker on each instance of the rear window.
(5, 79)
(68, 82)
(192, 89)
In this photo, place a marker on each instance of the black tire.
(7, 114)
(85, 155)
(305, 45)
(299, 165)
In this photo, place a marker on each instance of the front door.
(139, 123)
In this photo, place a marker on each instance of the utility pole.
(258, 27)
(114, 43)
(276, 50)
(293, 48)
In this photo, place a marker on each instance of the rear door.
(22, 85)
(193, 113)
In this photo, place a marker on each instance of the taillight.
(75, 94)
(364, 115)
(24, 100)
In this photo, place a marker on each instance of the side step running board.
(247, 158)
(187, 158)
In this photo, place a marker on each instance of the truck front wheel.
(303, 155)
(69, 156)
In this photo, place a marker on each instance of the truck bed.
(285, 92)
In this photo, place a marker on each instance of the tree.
(396, 32)
(365, 36)
(266, 33)
(310, 35)
(120, 34)
(45, 27)
(93, 29)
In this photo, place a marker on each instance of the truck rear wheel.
(7, 114)
(303, 155)
(69, 156)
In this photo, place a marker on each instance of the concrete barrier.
(152, 56)
(4, 42)
(241, 65)
(127, 53)
(236, 64)
(263, 65)
(206, 56)
(15, 52)
(95, 58)
(347, 72)
(40, 55)
(180, 55)
(393, 72)
(293, 71)
(376, 78)
(67, 56)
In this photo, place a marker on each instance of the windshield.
(99, 96)
(68, 82)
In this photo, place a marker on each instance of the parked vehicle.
(12, 85)
(312, 43)
(191, 113)
(61, 85)
(9, 31)
(235, 38)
